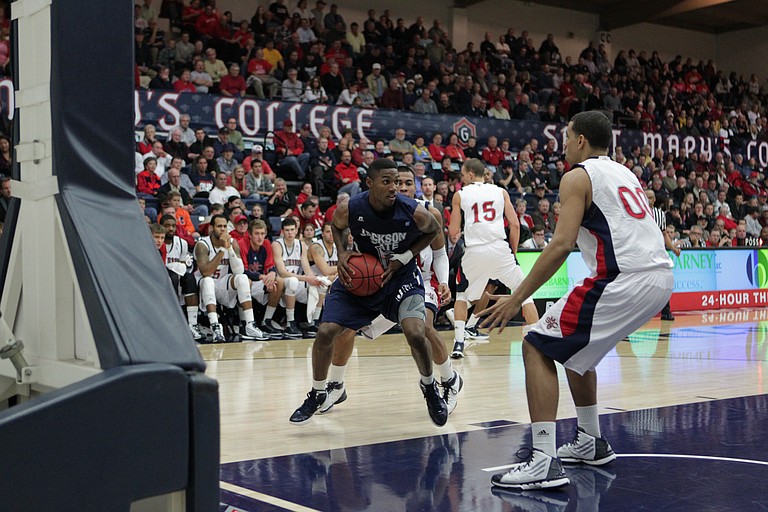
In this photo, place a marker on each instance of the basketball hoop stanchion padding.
(122, 412)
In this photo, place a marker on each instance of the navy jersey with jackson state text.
(384, 234)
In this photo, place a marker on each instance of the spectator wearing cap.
(221, 192)
(226, 161)
(410, 96)
(290, 151)
(376, 81)
(240, 233)
(257, 155)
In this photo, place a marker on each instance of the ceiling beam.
(616, 16)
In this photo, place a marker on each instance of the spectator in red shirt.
(453, 150)
(147, 182)
(342, 198)
(309, 213)
(257, 153)
(207, 23)
(436, 149)
(233, 84)
(240, 233)
(261, 73)
(347, 176)
(184, 84)
(290, 150)
(492, 154)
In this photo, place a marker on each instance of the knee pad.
(461, 296)
(291, 286)
(207, 291)
(243, 287)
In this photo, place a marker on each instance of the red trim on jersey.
(569, 318)
(602, 268)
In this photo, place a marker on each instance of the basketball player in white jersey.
(487, 254)
(290, 256)
(178, 261)
(323, 258)
(433, 257)
(604, 209)
(221, 279)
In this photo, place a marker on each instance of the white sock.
(427, 380)
(588, 420)
(192, 315)
(289, 314)
(318, 385)
(472, 320)
(336, 373)
(317, 313)
(269, 313)
(543, 433)
(248, 314)
(213, 318)
(458, 333)
(445, 370)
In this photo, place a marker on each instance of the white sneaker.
(253, 333)
(197, 335)
(451, 389)
(588, 449)
(218, 333)
(336, 395)
(449, 315)
(540, 471)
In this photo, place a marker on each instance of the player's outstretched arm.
(575, 197)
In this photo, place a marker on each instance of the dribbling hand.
(345, 274)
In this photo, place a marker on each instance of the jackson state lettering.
(386, 242)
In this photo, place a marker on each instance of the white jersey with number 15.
(483, 207)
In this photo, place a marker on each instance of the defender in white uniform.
(487, 255)
(605, 210)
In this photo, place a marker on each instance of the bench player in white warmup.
(221, 279)
(603, 209)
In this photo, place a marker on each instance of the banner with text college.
(257, 118)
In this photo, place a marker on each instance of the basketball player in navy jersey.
(604, 208)
(433, 261)
(394, 229)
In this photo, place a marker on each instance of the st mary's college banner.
(256, 118)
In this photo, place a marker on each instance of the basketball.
(366, 272)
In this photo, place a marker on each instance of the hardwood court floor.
(698, 358)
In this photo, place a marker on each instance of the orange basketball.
(366, 271)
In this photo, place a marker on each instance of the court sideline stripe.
(663, 456)
(248, 493)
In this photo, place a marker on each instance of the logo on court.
(551, 322)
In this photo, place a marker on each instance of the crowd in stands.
(297, 53)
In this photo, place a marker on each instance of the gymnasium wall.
(738, 51)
